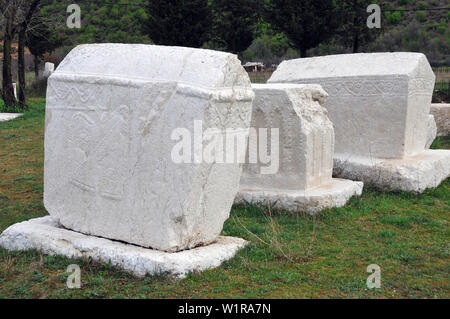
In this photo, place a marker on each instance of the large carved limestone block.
(111, 114)
(290, 124)
(379, 104)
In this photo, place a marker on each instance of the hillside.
(424, 31)
(102, 20)
(414, 27)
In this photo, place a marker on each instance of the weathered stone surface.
(301, 180)
(379, 104)
(110, 116)
(306, 136)
(334, 193)
(46, 235)
(441, 113)
(413, 173)
(9, 116)
(432, 131)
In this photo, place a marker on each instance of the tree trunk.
(355, 27)
(355, 42)
(36, 67)
(21, 67)
(303, 53)
(7, 86)
(22, 33)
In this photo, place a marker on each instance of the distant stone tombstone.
(379, 104)
(290, 124)
(111, 114)
(441, 114)
(15, 89)
(49, 69)
(9, 116)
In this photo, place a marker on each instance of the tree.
(16, 17)
(178, 22)
(39, 40)
(29, 11)
(9, 10)
(234, 23)
(305, 23)
(354, 31)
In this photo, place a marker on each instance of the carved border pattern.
(364, 87)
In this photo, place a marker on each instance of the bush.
(10, 109)
(394, 17)
(423, 5)
(421, 16)
(442, 27)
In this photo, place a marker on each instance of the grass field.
(289, 256)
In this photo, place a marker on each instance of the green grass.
(289, 255)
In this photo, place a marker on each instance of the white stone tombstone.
(115, 116)
(15, 89)
(290, 120)
(379, 104)
(112, 111)
(49, 69)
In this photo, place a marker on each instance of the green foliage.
(417, 31)
(42, 38)
(10, 109)
(442, 27)
(436, 144)
(421, 16)
(352, 29)
(101, 20)
(423, 5)
(235, 22)
(179, 22)
(394, 17)
(305, 24)
(269, 47)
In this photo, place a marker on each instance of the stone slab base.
(412, 174)
(46, 235)
(335, 194)
(9, 116)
